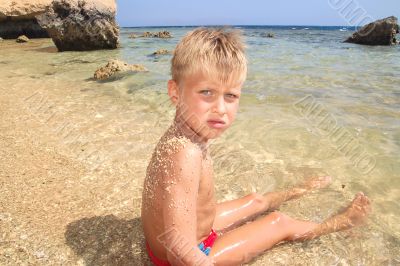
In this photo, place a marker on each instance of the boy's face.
(205, 104)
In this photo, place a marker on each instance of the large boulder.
(380, 32)
(18, 18)
(80, 25)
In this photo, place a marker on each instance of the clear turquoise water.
(271, 145)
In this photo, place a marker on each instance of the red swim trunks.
(204, 246)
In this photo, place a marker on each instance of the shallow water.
(275, 141)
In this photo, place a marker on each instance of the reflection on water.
(270, 146)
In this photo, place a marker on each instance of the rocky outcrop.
(80, 25)
(161, 52)
(72, 24)
(160, 34)
(380, 32)
(22, 39)
(18, 18)
(115, 67)
(27, 9)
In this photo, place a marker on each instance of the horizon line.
(236, 25)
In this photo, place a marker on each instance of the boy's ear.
(173, 91)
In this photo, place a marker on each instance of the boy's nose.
(220, 106)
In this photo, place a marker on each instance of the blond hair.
(213, 52)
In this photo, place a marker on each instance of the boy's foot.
(355, 214)
(275, 199)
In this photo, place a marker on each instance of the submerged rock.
(116, 66)
(133, 36)
(161, 52)
(80, 25)
(268, 35)
(380, 32)
(160, 34)
(22, 39)
(18, 18)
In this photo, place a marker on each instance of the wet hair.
(215, 52)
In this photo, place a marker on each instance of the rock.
(81, 25)
(163, 34)
(161, 52)
(114, 66)
(18, 18)
(147, 34)
(22, 8)
(22, 39)
(1, 39)
(380, 32)
(267, 35)
(133, 36)
(160, 34)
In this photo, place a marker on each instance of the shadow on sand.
(108, 240)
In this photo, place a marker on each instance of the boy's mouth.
(216, 123)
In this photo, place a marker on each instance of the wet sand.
(54, 208)
(61, 203)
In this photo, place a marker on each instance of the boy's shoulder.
(177, 156)
(178, 146)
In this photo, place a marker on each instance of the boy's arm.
(181, 186)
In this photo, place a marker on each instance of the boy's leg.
(229, 214)
(245, 242)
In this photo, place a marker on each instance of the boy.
(182, 223)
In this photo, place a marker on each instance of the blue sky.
(251, 12)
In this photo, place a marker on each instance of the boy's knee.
(258, 200)
(278, 218)
(255, 196)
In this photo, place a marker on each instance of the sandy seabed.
(57, 206)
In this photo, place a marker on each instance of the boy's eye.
(231, 95)
(205, 92)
